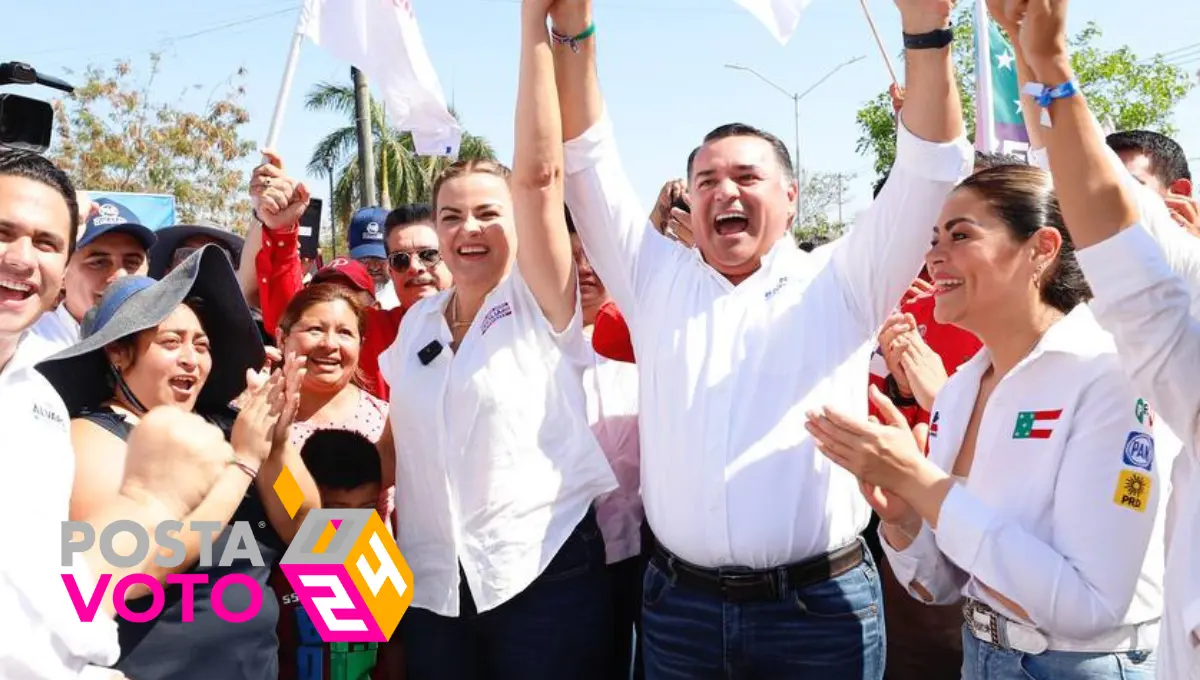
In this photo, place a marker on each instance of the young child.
(345, 465)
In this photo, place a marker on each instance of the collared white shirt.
(612, 403)
(1143, 302)
(387, 298)
(730, 476)
(43, 638)
(53, 332)
(1062, 512)
(495, 462)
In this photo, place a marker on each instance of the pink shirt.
(612, 404)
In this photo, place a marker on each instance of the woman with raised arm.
(496, 467)
(1138, 263)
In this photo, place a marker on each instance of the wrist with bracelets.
(572, 41)
(251, 472)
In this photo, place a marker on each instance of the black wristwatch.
(892, 390)
(933, 40)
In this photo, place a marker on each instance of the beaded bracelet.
(251, 472)
(573, 41)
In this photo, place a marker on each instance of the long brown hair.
(321, 293)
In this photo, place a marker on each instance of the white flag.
(780, 16)
(381, 38)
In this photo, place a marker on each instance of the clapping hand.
(278, 200)
(880, 454)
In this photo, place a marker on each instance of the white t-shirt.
(495, 462)
(53, 332)
(43, 638)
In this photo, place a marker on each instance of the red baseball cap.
(349, 271)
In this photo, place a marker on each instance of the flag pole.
(879, 41)
(285, 88)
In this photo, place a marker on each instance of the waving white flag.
(381, 38)
(780, 16)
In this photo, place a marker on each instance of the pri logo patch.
(1139, 451)
(1133, 490)
(346, 570)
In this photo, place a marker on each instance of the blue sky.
(662, 67)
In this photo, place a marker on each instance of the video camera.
(26, 123)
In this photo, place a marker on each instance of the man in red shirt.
(414, 262)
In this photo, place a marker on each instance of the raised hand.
(278, 200)
(671, 192)
(172, 460)
(1186, 211)
(287, 398)
(1043, 32)
(923, 16)
(254, 430)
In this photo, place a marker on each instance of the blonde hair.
(464, 168)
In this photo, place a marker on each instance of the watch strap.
(933, 40)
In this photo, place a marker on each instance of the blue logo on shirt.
(1139, 450)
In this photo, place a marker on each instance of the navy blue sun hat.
(114, 218)
(82, 374)
(366, 233)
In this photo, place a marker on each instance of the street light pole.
(796, 97)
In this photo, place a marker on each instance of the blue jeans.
(559, 627)
(984, 661)
(833, 629)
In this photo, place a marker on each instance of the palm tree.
(401, 175)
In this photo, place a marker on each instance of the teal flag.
(999, 125)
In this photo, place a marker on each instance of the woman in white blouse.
(1040, 500)
(496, 466)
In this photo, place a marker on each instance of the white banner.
(779, 16)
(381, 38)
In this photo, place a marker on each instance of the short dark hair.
(742, 130)
(404, 215)
(341, 459)
(692, 161)
(1023, 197)
(985, 160)
(814, 243)
(18, 163)
(1167, 159)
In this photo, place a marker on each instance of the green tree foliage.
(1131, 92)
(401, 175)
(111, 135)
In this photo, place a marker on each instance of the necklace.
(454, 322)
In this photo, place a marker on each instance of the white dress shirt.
(53, 332)
(1145, 304)
(612, 402)
(1181, 252)
(1061, 512)
(730, 476)
(42, 637)
(495, 462)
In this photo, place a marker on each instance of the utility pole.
(362, 115)
(332, 212)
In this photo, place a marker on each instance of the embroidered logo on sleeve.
(1035, 424)
(933, 424)
(493, 315)
(1139, 451)
(1133, 490)
(1144, 415)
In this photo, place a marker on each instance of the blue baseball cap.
(114, 218)
(366, 233)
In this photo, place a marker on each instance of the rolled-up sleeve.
(882, 253)
(614, 228)
(1080, 582)
(923, 564)
(1146, 307)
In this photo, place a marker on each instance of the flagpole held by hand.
(285, 88)
(879, 41)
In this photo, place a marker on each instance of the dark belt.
(739, 584)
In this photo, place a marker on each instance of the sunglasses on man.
(401, 260)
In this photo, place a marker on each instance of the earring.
(1037, 274)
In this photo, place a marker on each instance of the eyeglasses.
(400, 260)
